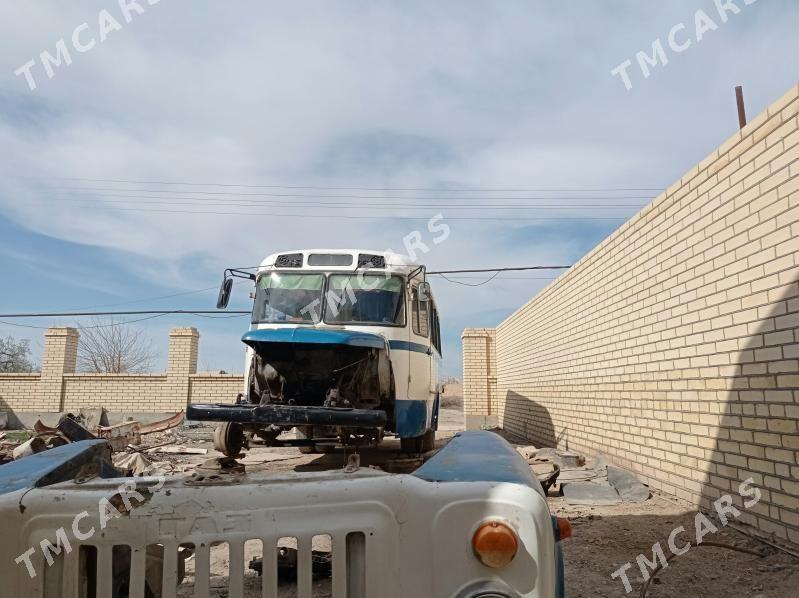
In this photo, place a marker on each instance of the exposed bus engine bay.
(320, 375)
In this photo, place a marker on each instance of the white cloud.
(478, 94)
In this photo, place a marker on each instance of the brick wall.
(58, 388)
(673, 347)
(479, 378)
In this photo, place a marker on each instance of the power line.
(468, 284)
(151, 314)
(246, 203)
(158, 298)
(333, 188)
(316, 196)
(383, 217)
(81, 327)
(512, 269)
(163, 312)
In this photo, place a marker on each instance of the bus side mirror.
(424, 291)
(224, 293)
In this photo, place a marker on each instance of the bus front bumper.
(288, 415)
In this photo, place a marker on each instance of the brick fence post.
(60, 357)
(182, 363)
(479, 378)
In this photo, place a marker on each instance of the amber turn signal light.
(495, 544)
(564, 528)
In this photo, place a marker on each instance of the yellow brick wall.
(479, 371)
(673, 347)
(58, 388)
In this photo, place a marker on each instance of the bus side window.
(420, 316)
(436, 330)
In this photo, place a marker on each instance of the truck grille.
(305, 567)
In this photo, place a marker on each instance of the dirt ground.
(604, 537)
(607, 537)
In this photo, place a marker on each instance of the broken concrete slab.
(586, 493)
(93, 417)
(627, 485)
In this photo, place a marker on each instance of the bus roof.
(345, 260)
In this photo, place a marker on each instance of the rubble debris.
(119, 436)
(30, 447)
(125, 436)
(134, 464)
(527, 452)
(547, 474)
(164, 424)
(586, 493)
(321, 564)
(3, 419)
(569, 459)
(627, 485)
(178, 450)
(40, 428)
(93, 417)
(74, 431)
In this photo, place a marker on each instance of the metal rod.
(62, 314)
(739, 98)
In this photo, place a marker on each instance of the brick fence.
(59, 388)
(673, 346)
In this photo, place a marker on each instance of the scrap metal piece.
(41, 428)
(547, 475)
(75, 432)
(56, 465)
(217, 471)
(121, 435)
(164, 424)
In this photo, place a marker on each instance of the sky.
(278, 119)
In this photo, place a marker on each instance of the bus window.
(420, 316)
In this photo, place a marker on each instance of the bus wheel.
(229, 439)
(419, 444)
(306, 433)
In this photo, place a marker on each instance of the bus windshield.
(287, 297)
(365, 299)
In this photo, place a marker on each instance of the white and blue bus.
(344, 346)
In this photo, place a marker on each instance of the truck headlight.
(487, 589)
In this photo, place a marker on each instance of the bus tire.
(419, 444)
(306, 433)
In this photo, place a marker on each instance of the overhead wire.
(237, 313)
(383, 217)
(200, 201)
(467, 284)
(342, 188)
(315, 196)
